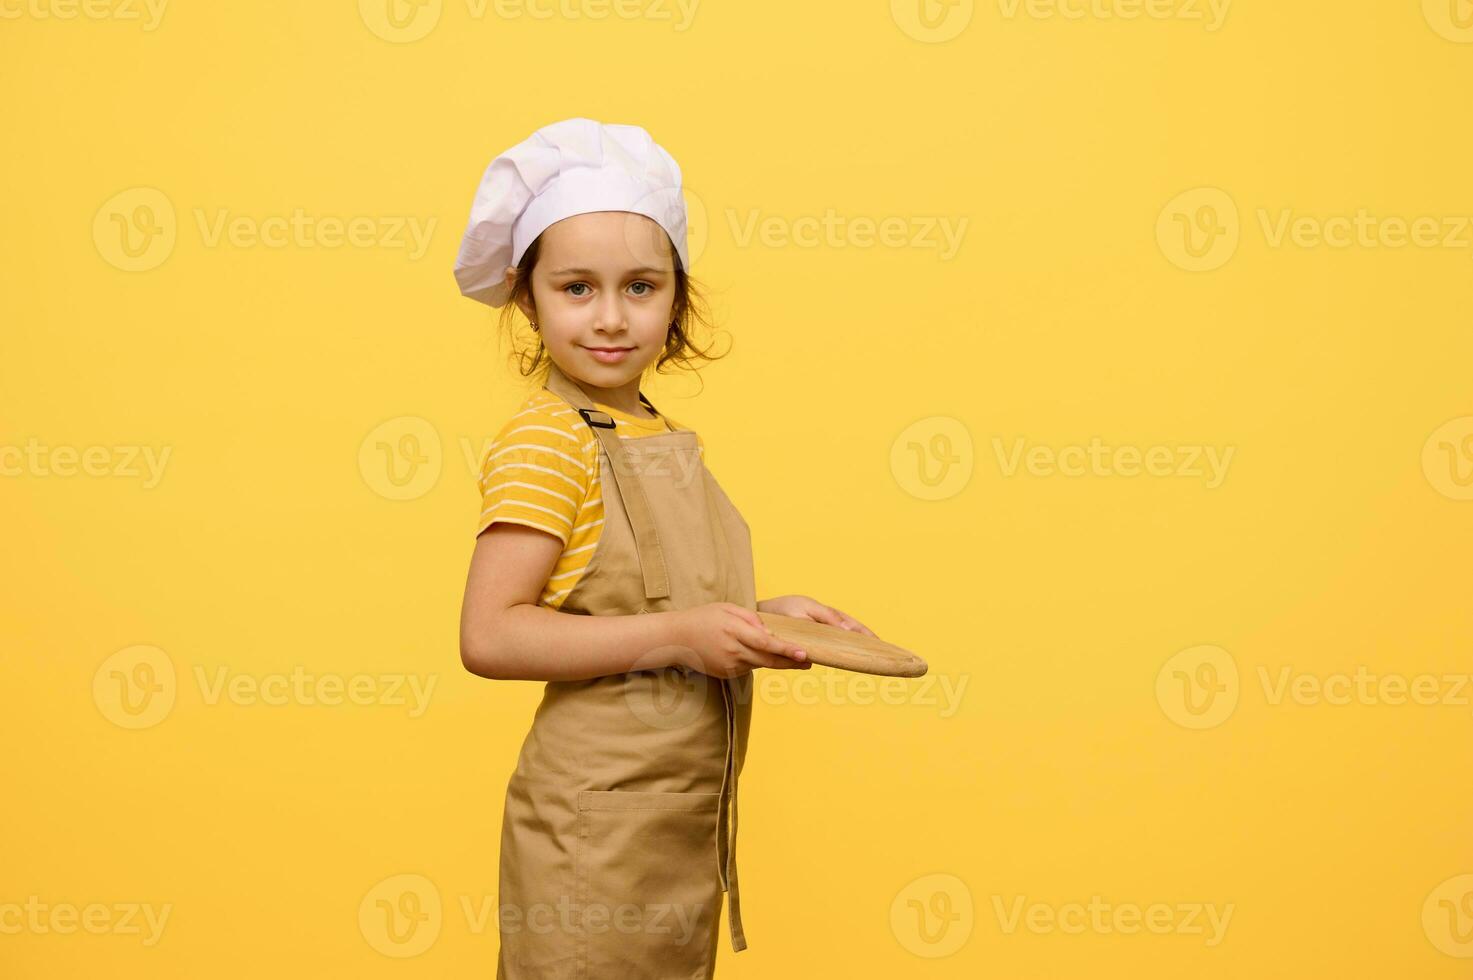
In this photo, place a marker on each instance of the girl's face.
(603, 292)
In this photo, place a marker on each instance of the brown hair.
(689, 312)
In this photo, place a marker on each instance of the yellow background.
(271, 542)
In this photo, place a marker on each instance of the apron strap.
(726, 816)
(631, 491)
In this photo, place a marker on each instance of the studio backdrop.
(1111, 355)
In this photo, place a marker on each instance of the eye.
(648, 287)
(575, 285)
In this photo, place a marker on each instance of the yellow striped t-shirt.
(542, 471)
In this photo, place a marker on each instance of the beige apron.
(619, 834)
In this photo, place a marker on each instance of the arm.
(506, 635)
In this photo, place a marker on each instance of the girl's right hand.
(728, 640)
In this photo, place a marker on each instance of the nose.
(608, 317)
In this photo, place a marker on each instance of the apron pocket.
(648, 892)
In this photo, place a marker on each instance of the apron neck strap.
(631, 488)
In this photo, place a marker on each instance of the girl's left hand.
(804, 607)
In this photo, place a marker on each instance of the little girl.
(610, 564)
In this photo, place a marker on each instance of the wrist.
(672, 639)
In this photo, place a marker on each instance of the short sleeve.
(536, 473)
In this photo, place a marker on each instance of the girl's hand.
(803, 607)
(729, 640)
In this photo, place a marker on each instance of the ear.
(524, 304)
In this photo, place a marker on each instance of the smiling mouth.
(610, 350)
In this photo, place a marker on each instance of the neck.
(625, 401)
(624, 398)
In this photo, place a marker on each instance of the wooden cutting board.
(834, 646)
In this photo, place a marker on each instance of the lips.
(609, 355)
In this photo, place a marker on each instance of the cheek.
(562, 307)
(661, 308)
(654, 320)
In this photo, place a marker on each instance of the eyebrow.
(641, 271)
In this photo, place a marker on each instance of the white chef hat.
(566, 168)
